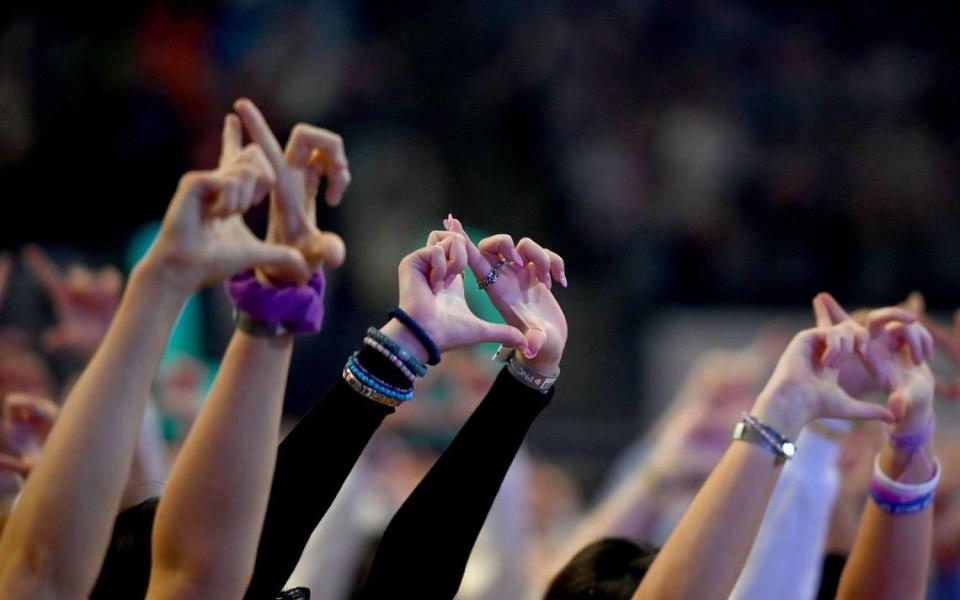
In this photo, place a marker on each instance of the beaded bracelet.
(428, 344)
(359, 387)
(371, 381)
(393, 358)
(408, 359)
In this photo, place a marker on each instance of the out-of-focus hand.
(84, 301)
(895, 358)
(522, 294)
(203, 238)
(804, 385)
(6, 267)
(311, 154)
(431, 291)
(945, 338)
(26, 422)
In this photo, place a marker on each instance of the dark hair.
(608, 569)
(126, 568)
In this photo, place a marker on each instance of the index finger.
(259, 131)
(478, 264)
(827, 310)
(232, 138)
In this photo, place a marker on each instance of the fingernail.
(529, 353)
(563, 279)
(515, 257)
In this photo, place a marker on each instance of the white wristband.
(906, 489)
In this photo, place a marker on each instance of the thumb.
(536, 339)
(851, 408)
(827, 310)
(502, 334)
(898, 406)
(284, 259)
(326, 248)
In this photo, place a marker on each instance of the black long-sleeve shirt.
(425, 548)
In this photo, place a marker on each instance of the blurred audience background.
(704, 167)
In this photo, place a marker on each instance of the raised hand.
(522, 292)
(204, 239)
(805, 383)
(26, 422)
(431, 291)
(311, 154)
(945, 338)
(896, 359)
(83, 300)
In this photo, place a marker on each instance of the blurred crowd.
(676, 153)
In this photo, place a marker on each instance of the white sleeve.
(787, 556)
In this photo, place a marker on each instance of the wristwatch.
(781, 448)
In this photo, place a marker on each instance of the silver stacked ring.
(493, 275)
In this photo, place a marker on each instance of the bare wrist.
(152, 275)
(782, 410)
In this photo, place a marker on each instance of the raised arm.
(440, 521)
(57, 535)
(891, 555)
(706, 552)
(207, 549)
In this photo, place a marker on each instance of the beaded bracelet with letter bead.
(393, 358)
(408, 359)
(372, 381)
(368, 392)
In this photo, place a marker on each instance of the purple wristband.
(299, 309)
(913, 441)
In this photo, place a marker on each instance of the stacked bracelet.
(393, 358)
(364, 390)
(417, 367)
(900, 498)
(376, 384)
(424, 338)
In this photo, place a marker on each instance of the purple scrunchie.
(298, 308)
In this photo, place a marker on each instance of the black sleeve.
(313, 461)
(830, 576)
(424, 550)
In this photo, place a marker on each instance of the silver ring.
(489, 280)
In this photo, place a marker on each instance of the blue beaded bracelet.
(380, 386)
(408, 359)
(429, 345)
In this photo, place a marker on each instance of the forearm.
(716, 533)
(209, 519)
(88, 454)
(703, 557)
(439, 523)
(891, 556)
(313, 461)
